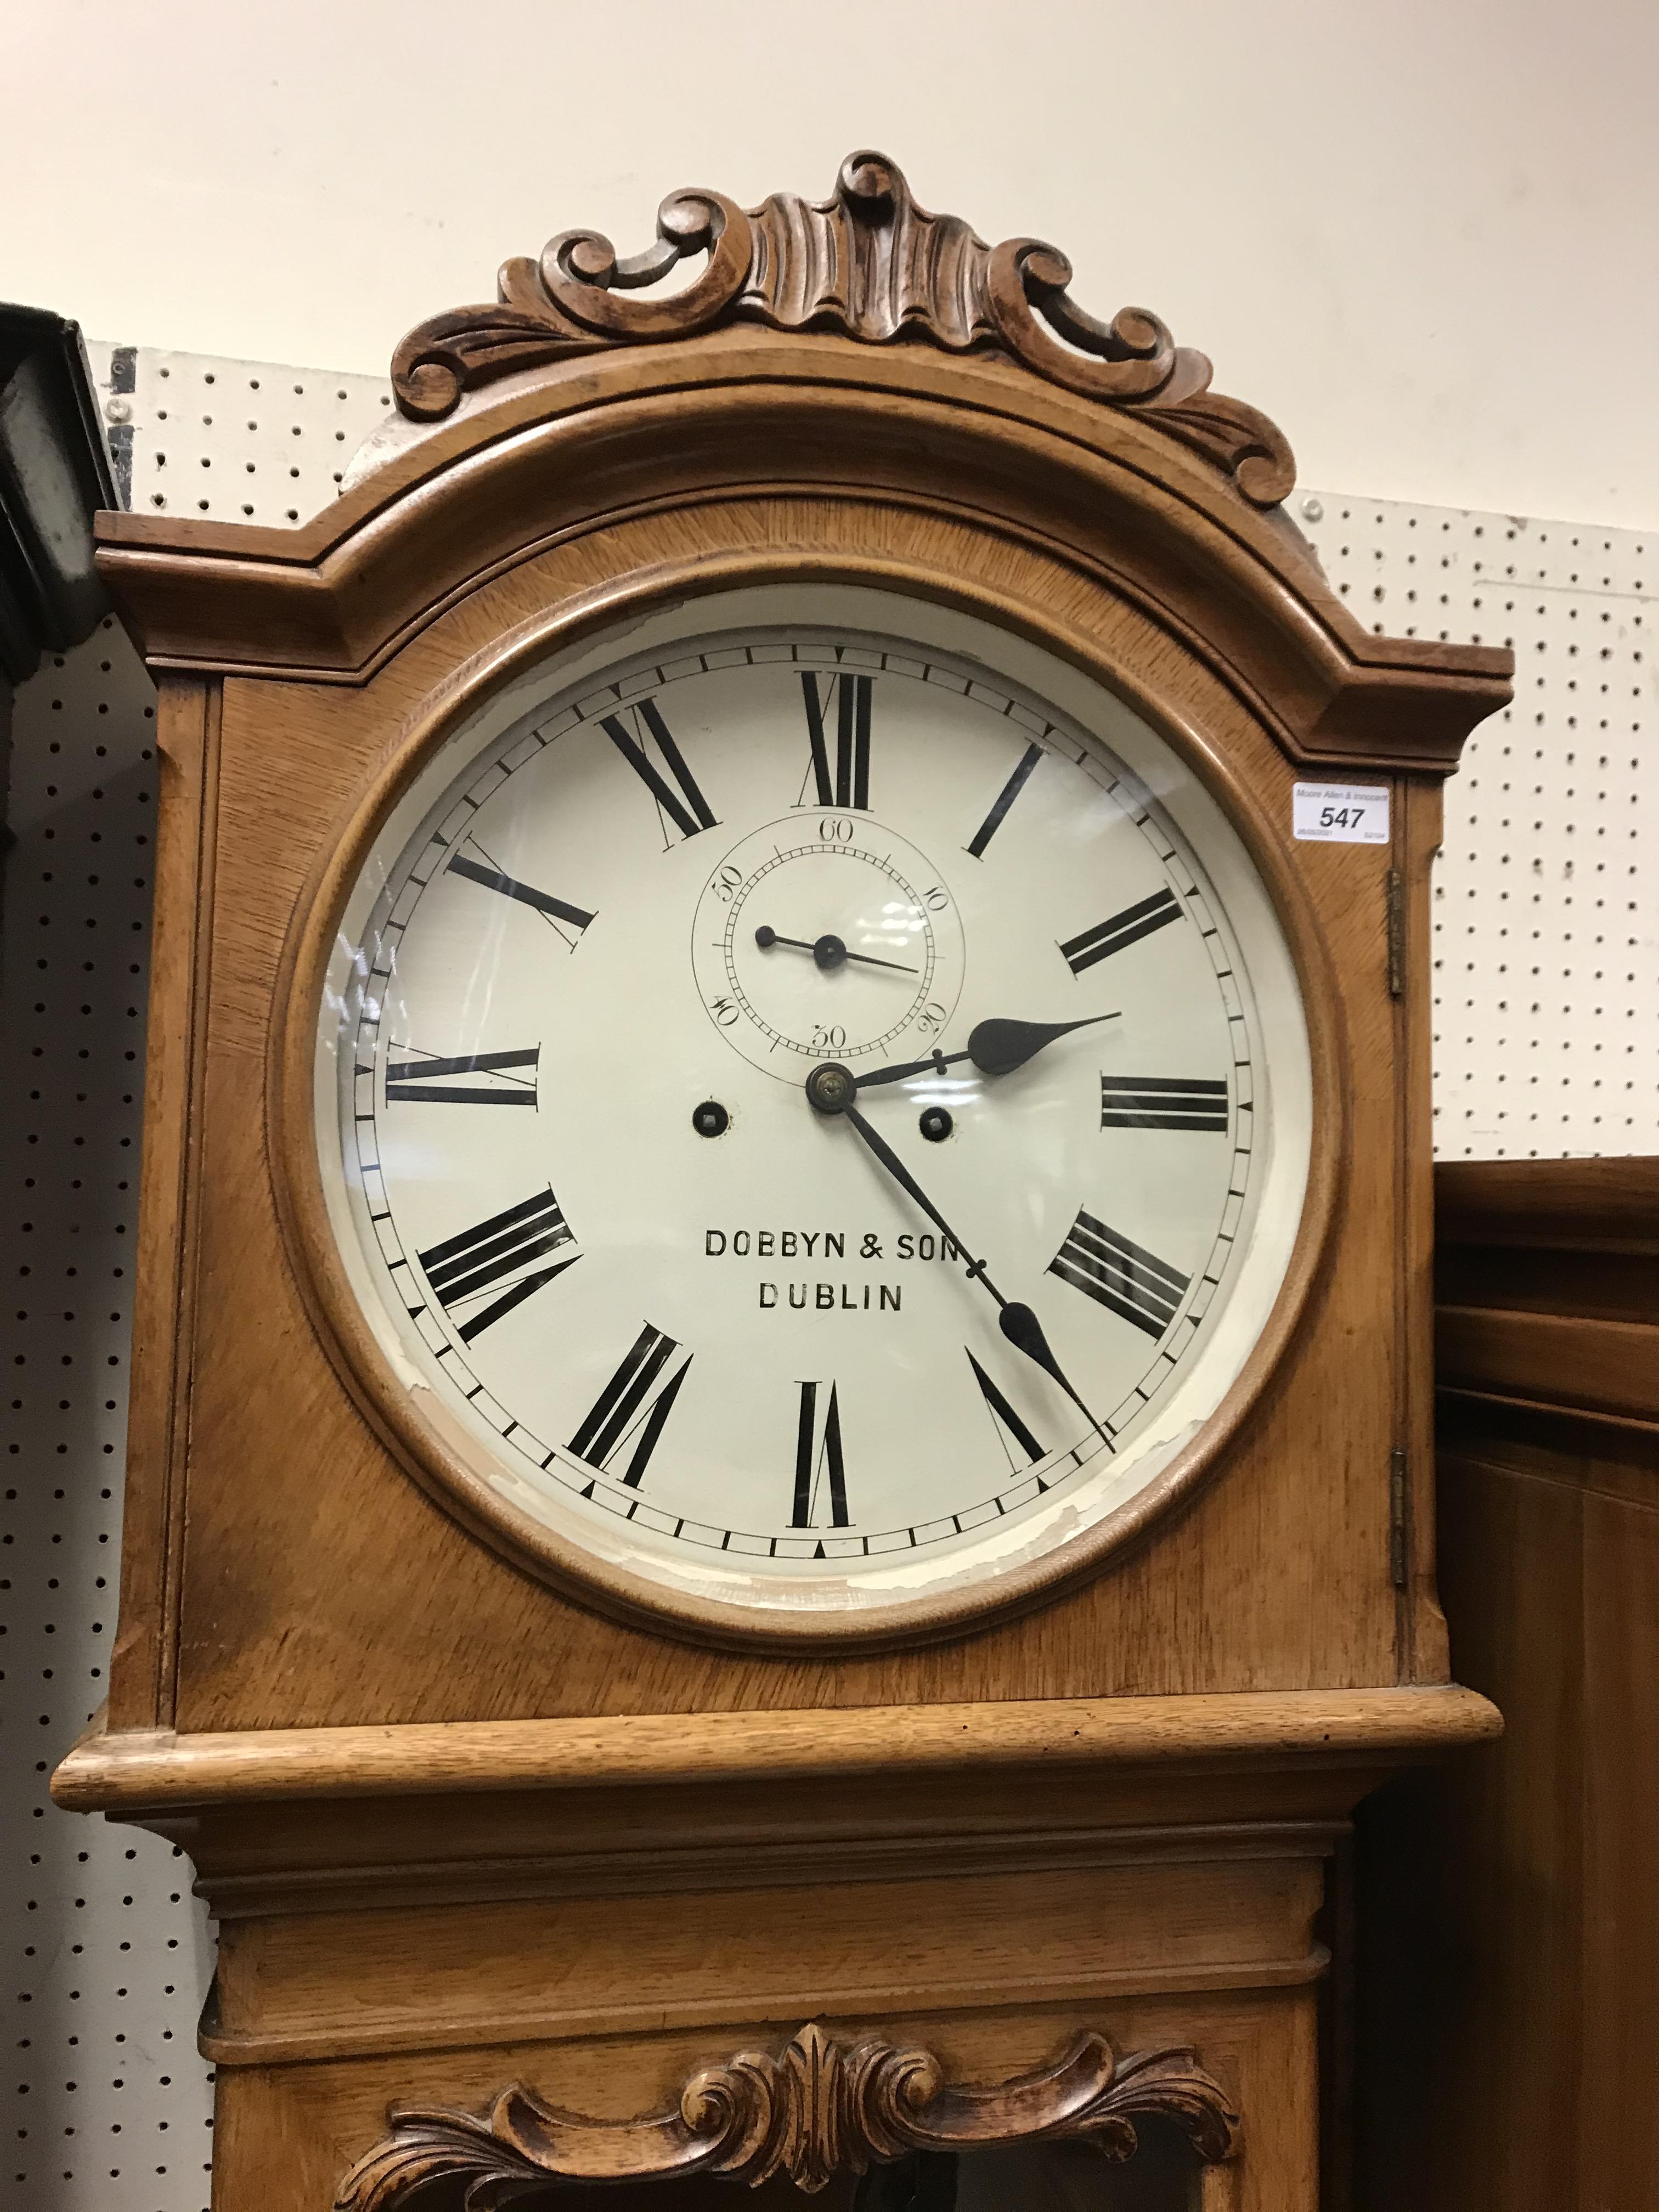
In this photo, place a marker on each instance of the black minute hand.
(830, 1088)
(996, 1048)
(902, 1176)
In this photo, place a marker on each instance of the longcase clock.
(780, 1486)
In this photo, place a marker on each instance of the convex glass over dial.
(814, 1103)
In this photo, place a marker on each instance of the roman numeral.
(685, 807)
(1005, 798)
(423, 1078)
(850, 784)
(463, 1269)
(1161, 1102)
(1108, 937)
(560, 913)
(633, 1406)
(1125, 1278)
(1004, 1420)
(818, 1455)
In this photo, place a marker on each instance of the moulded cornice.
(857, 348)
(129, 1774)
(755, 414)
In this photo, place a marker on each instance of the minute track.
(718, 1441)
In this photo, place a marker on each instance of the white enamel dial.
(792, 1362)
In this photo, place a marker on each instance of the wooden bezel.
(627, 592)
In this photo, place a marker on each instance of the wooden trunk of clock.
(467, 1820)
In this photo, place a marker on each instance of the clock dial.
(820, 1115)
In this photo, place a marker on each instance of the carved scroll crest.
(820, 2108)
(868, 264)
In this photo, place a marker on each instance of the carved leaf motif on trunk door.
(820, 2108)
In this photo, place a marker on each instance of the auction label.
(1341, 813)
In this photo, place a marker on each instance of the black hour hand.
(998, 1047)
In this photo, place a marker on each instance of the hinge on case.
(1397, 1517)
(1396, 925)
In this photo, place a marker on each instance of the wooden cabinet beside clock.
(780, 1466)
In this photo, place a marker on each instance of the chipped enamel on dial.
(747, 1370)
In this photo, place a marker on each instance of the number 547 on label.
(1341, 813)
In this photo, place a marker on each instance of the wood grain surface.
(468, 1819)
(290, 1613)
(1514, 1941)
(130, 1770)
(667, 427)
(311, 2121)
(814, 2109)
(1306, 1573)
(1015, 594)
(144, 1660)
(1548, 1287)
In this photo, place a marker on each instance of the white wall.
(1421, 234)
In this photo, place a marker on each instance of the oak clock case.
(669, 1327)
(632, 1720)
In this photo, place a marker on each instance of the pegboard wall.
(1546, 893)
(106, 1953)
(1547, 949)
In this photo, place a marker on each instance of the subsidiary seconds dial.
(826, 936)
(813, 1108)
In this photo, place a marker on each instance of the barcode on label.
(1341, 813)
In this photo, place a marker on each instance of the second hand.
(829, 952)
